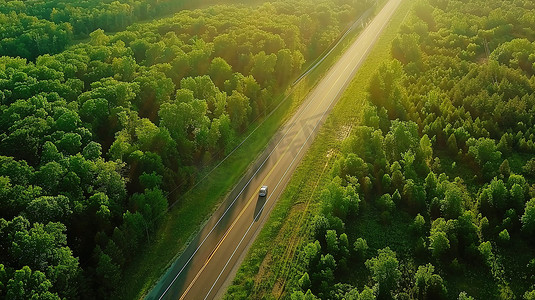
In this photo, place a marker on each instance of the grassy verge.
(195, 207)
(270, 261)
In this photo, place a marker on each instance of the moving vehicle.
(263, 191)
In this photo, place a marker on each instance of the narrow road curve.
(199, 273)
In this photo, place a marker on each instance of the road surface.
(199, 273)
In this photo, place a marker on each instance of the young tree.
(504, 237)
(386, 90)
(92, 151)
(263, 67)
(220, 71)
(452, 145)
(385, 203)
(304, 281)
(414, 196)
(238, 109)
(429, 285)
(485, 153)
(529, 168)
(361, 248)
(108, 274)
(505, 170)
(28, 284)
(384, 269)
(426, 148)
(485, 249)
(500, 195)
(49, 209)
(528, 218)
(353, 165)
(464, 296)
(452, 205)
(151, 204)
(367, 294)
(418, 225)
(439, 243)
(332, 242)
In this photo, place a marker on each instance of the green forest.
(33, 28)
(100, 131)
(433, 195)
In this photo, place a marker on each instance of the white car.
(263, 191)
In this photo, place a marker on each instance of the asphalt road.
(200, 272)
